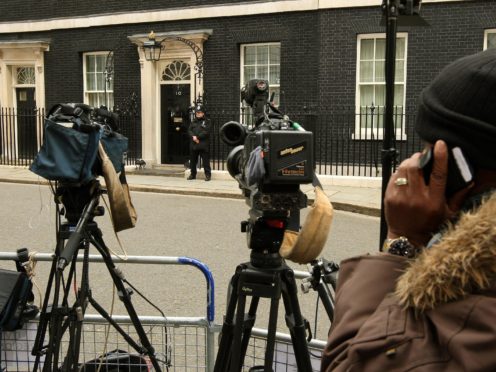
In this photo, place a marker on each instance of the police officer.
(199, 132)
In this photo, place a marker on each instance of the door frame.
(15, 85)
(162, 64)
(26, 149)
(150, 82)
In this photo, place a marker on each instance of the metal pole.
(388, 149)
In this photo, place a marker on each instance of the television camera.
(272, 157)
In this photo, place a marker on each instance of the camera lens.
(234, 158)
(233, 133)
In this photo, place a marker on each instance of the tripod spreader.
(256, 282)
(74, 241)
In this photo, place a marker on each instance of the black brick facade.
(455, 30)
(318, 50)
(18, 10)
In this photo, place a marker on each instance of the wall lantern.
(152, 48)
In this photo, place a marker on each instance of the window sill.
(368, 136)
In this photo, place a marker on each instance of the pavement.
(349, 193)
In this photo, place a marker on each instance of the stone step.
(168, 170)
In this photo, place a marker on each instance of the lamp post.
(152, 49)
(396, 12)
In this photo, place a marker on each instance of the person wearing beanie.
(199, 132)
(427, 302)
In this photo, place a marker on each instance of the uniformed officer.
(199, 132)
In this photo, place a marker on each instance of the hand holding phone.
(460, 172)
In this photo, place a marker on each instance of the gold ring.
(401, 181)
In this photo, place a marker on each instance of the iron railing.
(22, 131)
(345, 142)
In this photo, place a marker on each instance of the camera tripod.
(265, 276)
(80, 207)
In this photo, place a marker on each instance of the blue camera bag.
(67, 154)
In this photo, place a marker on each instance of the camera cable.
(167, 360)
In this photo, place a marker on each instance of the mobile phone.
(460, 171)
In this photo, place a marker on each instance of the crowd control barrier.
(187, 343)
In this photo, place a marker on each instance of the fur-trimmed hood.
(462, 263)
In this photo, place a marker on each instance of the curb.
(347, 207)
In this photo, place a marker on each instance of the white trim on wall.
(486, 33)
(368, 134)
(177, 14)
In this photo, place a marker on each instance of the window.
(489, 39)
(26, 76)
(176, 71)
(99, 79)
(262, 61)
(371, 86)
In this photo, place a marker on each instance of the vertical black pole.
(390, 8)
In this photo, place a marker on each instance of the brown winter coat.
(435, 313)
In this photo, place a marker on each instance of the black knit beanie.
(459, 107)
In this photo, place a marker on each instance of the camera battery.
(288, 156)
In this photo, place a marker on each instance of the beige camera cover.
(305, 246)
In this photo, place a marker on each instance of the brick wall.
(17, 10)
(318, 52)
(455, 29)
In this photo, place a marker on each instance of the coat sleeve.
(190, 130)
(204, 131)
(362, 285)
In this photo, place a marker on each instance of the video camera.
(84, 115)
(272, 158)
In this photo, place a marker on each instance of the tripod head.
(74, 198)
(80, 207)
(265, 233)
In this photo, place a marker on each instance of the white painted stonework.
(150, 84)
(15, 54)
(225, 10)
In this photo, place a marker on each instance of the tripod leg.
(54, 329)
(98, 242)
(78, 310)
(327, 299)
(236, 361)
(44, 318)
(224, 352)
(271, 335)
(295, 322)
(119, 329)
(248, 324)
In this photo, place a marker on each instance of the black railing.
(346, 143)
(22, 131)
(130, 126)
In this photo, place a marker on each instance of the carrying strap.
(122, 210)
(306, 245)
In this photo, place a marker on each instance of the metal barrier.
(188, 342)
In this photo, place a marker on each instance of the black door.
(175, 100)
(26, 123)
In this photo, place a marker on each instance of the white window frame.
(486, 33)
(377, 134)
(242, 65)
(110, 92)
(16, 84)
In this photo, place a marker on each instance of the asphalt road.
(207, 229)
